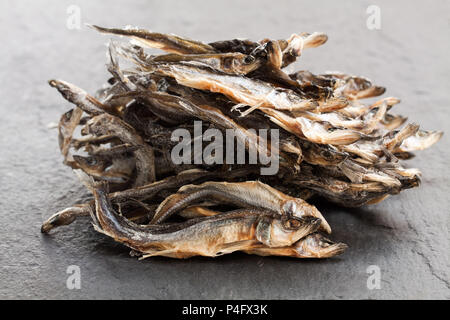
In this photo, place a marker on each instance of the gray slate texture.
(407, 235)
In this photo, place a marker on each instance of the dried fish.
(167, 42)
(243, 194)
(81, 99)
(311, 130)
(232, 63)
(143, 193)
(419, 141)
(252, 92)
(106, 124)
(329, 143)
(210, 236)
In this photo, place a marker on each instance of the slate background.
(407, 236)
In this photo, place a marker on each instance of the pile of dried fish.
(329, 144)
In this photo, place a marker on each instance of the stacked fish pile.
(326, 142)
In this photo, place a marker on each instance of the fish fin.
(277, 251)
(235, 246)
(246, 112)
(155, 253)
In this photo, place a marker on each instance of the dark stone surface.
(407, 235)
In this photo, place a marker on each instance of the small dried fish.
(419, 141)
(311, 130)
(106, 124)
(244, 194)
(81, 99)
(211, 236)
(232, 63)
(252, 92)
(143, 193)
(166, 42)
(329, 143)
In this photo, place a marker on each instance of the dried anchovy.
(331, 145)
(210, 236)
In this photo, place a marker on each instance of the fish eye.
(249, 59)
(91, 161)
(293, 223)
(326, 154)
(68, 115)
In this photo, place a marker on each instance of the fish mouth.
(317, 246)
(305, 226)
(302, 210)
(332, 250)
(324, 226)
(312, 223)
(62, 86)
(277, 232)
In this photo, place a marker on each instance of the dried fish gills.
(332, 145)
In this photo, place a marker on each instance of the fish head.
(90, 164)
(67, 90)
(274, 232)
(98, 125)
(332, 156)
(268, 52)
(299, 208)
(66, 117)
(317, 246)
(64, 127)
(106, 124)
(325, 156)
(274, 54)
(239, 63)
